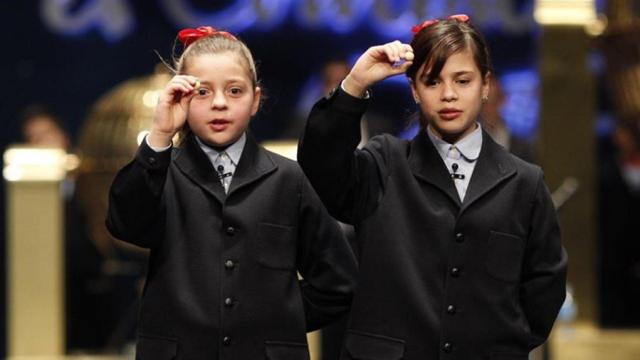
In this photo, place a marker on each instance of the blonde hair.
(215, 44)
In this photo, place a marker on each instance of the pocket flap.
(373, 347)
(504, 256)
(276, 246)
(156, 348)
(281, 350)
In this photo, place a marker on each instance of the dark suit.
(439, 279)
(222, 281)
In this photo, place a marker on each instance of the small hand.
(378, 63)
(172, 109)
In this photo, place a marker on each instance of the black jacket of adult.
(439, 279)
(222, 280)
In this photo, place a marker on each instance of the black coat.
(222, 280)
(439, 279)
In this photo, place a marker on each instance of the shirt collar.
(234, 150)
(469, 146)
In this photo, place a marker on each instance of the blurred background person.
(619, 245)
(495, 124)
(42, 128)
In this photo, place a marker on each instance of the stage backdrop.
(67, 53)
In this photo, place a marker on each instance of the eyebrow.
(425, 76)
(227, 81)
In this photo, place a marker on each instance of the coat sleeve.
(325, 261)
(348, 180)
(545, 267)
(135, 196)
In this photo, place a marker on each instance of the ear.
(257, 95)
(486, 85)
(414, 92)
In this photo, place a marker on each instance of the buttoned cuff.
(152, 159)
(346, 103)
(366, 96)
(156, 148)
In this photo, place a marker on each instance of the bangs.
(440, 52)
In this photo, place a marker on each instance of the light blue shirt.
(228, 158)
(463, 153)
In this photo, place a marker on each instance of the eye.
(235, 91)
(202, 92)
(463, 81)
(431, 83)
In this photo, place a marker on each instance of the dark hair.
(435, 43)
(35, 111)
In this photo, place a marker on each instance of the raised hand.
(378, 63)
(171, 111)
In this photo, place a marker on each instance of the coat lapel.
(427, 165)
(494, 166)
(253, 165)
(195, 164)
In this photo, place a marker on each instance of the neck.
(454, 138)
(218, 148)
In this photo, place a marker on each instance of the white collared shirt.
(463, 153)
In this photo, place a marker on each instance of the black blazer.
(222, 281)
(439, 278)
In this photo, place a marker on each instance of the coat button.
(455, 271)
(229, 264)
(451, 309)
(231, 230)
(459, 237)
(447, 347)
(228, 302)
(152, 160)
(226, 340)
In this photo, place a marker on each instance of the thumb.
(401, 68)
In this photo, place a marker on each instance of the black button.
(231, 230)
(152, 160)
(451, 309)
(331, 93)
(447, 347)
(459, 237)
(228, 302)
(455, 272)
(229, 264)
(226, 340)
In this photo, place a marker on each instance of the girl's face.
(452, 102)
(226, 99)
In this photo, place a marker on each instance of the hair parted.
(435, 43)
(216, 43)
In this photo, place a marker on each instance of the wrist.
(159, 139)
(353, 87)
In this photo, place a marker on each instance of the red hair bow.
(458, 17)
(188, 36)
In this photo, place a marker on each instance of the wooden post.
(35, 250)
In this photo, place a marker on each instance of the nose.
(448, 92)
(219, 101)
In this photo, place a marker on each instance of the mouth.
(449, 114)
(219, 124)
